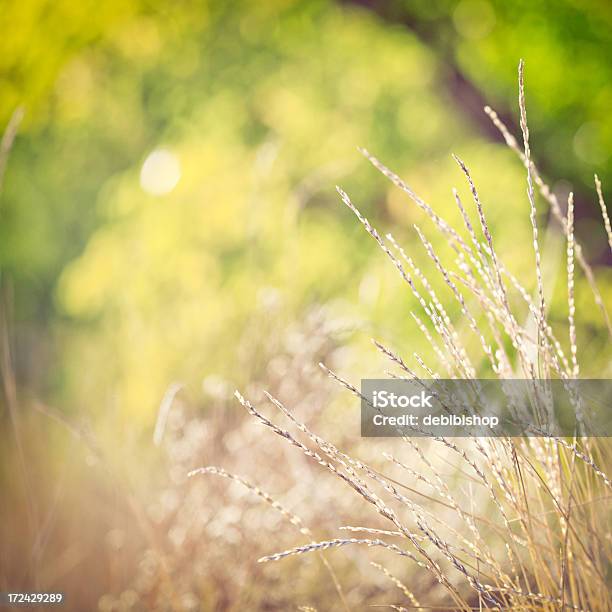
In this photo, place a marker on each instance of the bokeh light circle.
(160, 172)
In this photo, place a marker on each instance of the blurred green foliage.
(565, 44)
(258, 109)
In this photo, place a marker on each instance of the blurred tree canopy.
(565, 45)
(173, 183)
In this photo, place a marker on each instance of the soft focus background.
(169, 227)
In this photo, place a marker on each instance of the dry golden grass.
(521, 524)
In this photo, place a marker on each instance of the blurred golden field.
(170, 231)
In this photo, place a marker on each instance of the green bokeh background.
(116, 293)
